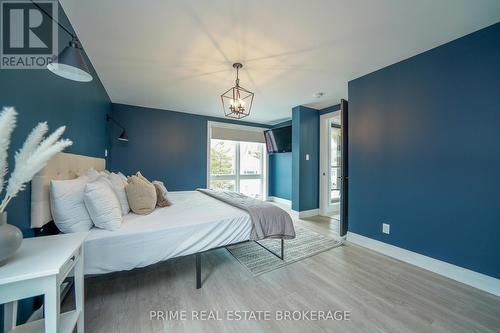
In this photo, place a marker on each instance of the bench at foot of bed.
(198, 260)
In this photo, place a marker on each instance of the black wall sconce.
(123, 135)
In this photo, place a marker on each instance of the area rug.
(258, 260)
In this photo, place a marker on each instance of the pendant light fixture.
(70, 64)
(237, 101)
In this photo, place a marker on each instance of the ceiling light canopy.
(237, 101)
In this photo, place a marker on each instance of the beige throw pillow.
(161, 194)
(141, 195)
(139, 174)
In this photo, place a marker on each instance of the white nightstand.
(38, 268)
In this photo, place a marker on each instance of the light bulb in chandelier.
(237, 101)
(237, 106)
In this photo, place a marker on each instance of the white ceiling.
(177, 55)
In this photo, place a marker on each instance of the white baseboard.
(280, 201)
(304, 213)
(457, 273)
(295, 214)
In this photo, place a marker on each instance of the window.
(335, 163)
(237, 166)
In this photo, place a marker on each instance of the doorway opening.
(330, 164)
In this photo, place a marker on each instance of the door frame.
(325, 162)
(344, 191)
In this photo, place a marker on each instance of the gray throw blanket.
(267, 219)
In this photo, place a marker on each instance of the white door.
(330, 164)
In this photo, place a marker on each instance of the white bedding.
(195, 222)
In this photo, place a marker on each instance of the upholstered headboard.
(61, 167)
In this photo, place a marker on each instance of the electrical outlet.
(386, 228)
(105, 153)
(307, 157)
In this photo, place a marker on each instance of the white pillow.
(118, 185)
(104, 173)
(66, 203)
(123, 177)
(102, 204)
(91, 174)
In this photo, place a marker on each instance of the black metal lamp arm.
(53, 19)
(109, 118)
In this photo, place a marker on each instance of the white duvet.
(195, 222)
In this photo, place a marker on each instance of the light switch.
(307, 157)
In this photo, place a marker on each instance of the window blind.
(224, 133)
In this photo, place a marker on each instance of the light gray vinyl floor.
(382, 295)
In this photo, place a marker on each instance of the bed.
(195, 223)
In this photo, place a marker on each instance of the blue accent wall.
(39, 95)
(280, 172)
(424, 153)
(164, 145)
(305, 174)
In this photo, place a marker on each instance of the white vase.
(10, 239)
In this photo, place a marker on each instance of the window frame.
(237, 177)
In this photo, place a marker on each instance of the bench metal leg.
(282, 256)
(198, 260)
(198, 270)
(10, 316)
(282, 249)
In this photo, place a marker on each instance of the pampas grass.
(7, 125)
(31, 158)
(31, 143)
